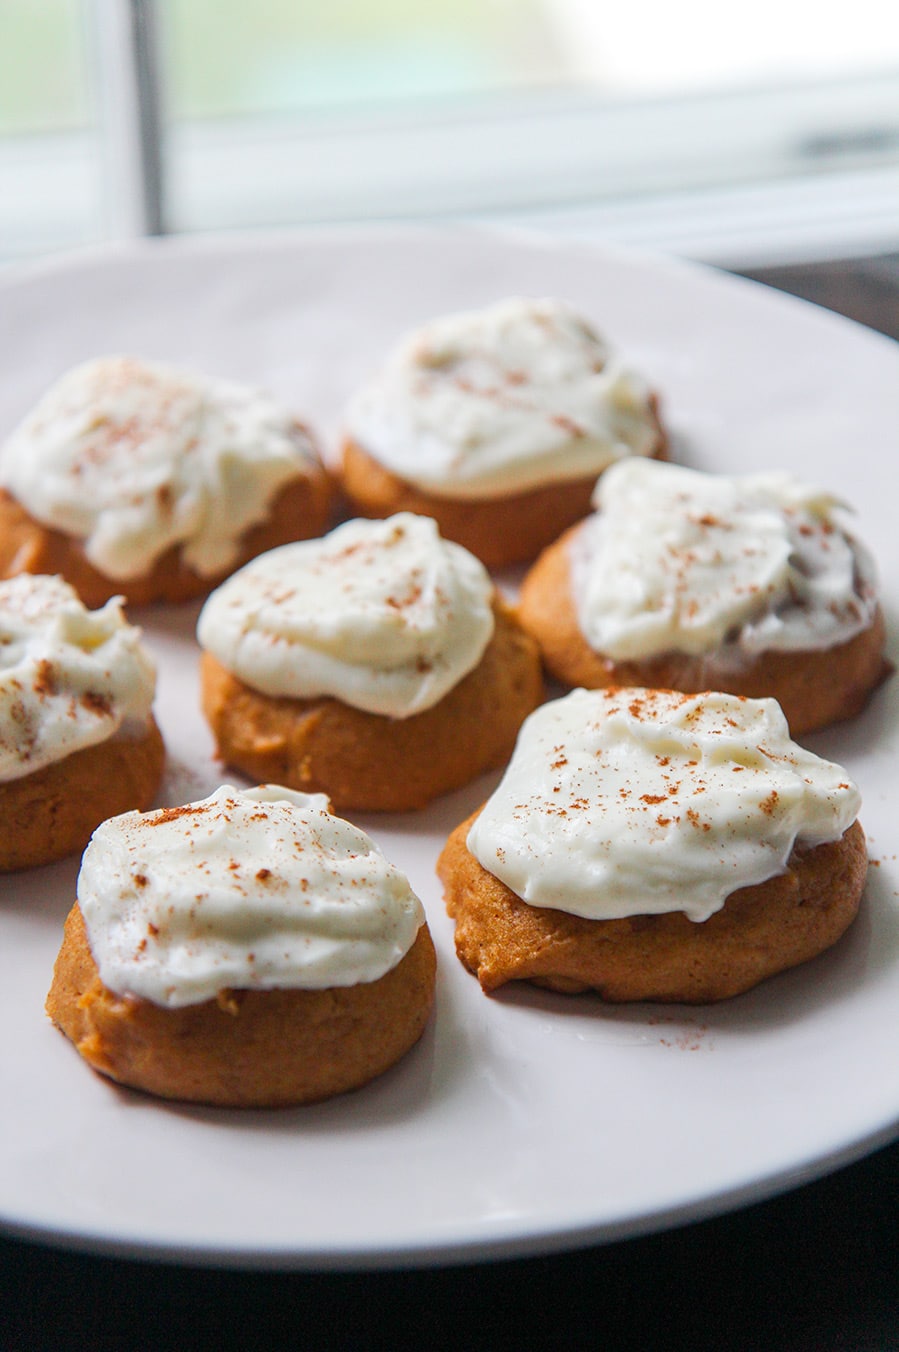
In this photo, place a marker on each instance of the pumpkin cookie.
(247, 950)
(651, 845)
(689, 581)
(378, 666)
(137, 479)
(496, 423)
(78, 741)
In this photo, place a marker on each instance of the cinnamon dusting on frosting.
(643, 813)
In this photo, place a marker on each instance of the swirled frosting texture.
(627, 802)
(69, 677)
(383, 615)
(678, 560)
(501, 400)
(253, 889)
(134, 457)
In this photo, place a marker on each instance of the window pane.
(544, 112)
(49, 156)
(43, 83)
(657, 48)
(535, 111)
(281, 56)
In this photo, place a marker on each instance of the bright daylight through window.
(648, 123)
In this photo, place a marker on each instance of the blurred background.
(757, 136)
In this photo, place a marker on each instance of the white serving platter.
(524, 1122)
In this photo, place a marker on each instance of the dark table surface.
(814, 1270)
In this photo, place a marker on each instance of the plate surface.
(524, 1122)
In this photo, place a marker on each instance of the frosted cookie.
(378, 666)
(78, 741)
(496, 423)
(652, 845)
(247, 950)
(691, 581)
(138, 479)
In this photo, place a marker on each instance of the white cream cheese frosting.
(134, 457)
(677, 560)
(626, 802)
(69, 677)
(501, 400)
(248, 889)
(383, 615)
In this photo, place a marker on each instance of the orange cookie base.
(761, 930)
(302, 510)
(499, 531)
(370, 762)
(53, 812)
(814, 688)
(246, 1049)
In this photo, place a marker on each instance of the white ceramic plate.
(524, 1122)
